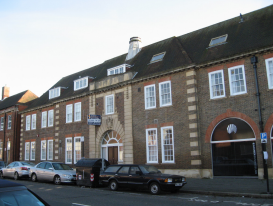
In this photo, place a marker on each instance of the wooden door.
(113, 155)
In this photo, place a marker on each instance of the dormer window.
(117, 70)
(157, 57)
(80, 83)
(218, 40)
(56, 92)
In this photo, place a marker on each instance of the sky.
(42, 41)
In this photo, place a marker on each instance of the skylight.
(118, 69)
(218, 40)
(157, 57)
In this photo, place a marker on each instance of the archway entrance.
(234, 149)
(112, 147)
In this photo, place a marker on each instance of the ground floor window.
(151, 144)
(32, 151)
(68, 150)
(43, 150)
(1, 150)
(234, 149)
(27, 151)
(112, 147)
(77, 149)
(50, 149)
(167, 144)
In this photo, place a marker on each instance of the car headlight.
(66, 176)
(168, 180)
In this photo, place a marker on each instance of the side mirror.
(138, 172)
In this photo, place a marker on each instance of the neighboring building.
(10, 122)
(187, 104)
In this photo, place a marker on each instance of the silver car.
(53, 171)
(17, 169)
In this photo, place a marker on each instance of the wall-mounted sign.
(263, 137)
(93, 119)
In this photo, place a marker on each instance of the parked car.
(17, 169)
(2, 165)
(12, 193)
(140, 176)
(57, 172)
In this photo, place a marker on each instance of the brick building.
(10, 122)
(187, 104)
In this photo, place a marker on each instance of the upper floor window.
(109, 104)
(56, 92)
(237, 80)
(150, 97)
(77, 110)
(69, 113)
(152, 145)
(33, 121)
(2, 123)
(118, 69)
(80, 83)
(50, 117)
(28, 122)
(218, 40)
(165, 93)
(269, 70)
(44, 119)
(9, 122)
(216, 84)
(157, 57)
(167, 144)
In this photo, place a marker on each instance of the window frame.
(9, 121)
(52, 93)
(210, 84)
(270, 84)
(44, 116)
(84, 79)
(69, 105)
(160, 94)
(31, 152)
(110, 71)
(162, 144)
(1, 123)
(50, 117)
(75, 155)
(48, 149)
(222, 42)
(230, 81)
(112, 106)
(147, 145)
(43, 141)
(27, 156)
(28, 122)
(145, 96)
(33, 121)
(75, 112)
(66, 150)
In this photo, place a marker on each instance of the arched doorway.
(112, 147)
(234, 149)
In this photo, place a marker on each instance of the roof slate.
(11, 101)
(254, 33)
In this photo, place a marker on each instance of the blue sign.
(263, 137)
(93, 119)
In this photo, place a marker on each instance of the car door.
(49, 172)
(135, 178)
(123, 176)
(8, 169)
(14, 168)
(40, 171)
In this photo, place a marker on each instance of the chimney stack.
(134, 47)
(5, 92)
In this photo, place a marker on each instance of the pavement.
(236, 187)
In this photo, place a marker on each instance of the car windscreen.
(60, 166)
(28, 163)
(148, 169)
(19, 198)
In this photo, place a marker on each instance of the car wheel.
(113, 185)
(1, 175)
(57, 180)
(34, 177)
(154, 188)
(16, 176)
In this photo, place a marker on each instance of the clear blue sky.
(42, 41)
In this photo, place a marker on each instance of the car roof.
(6, 183)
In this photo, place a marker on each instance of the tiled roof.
(11, 101)
(254, 33)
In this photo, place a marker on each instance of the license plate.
(178, 184)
